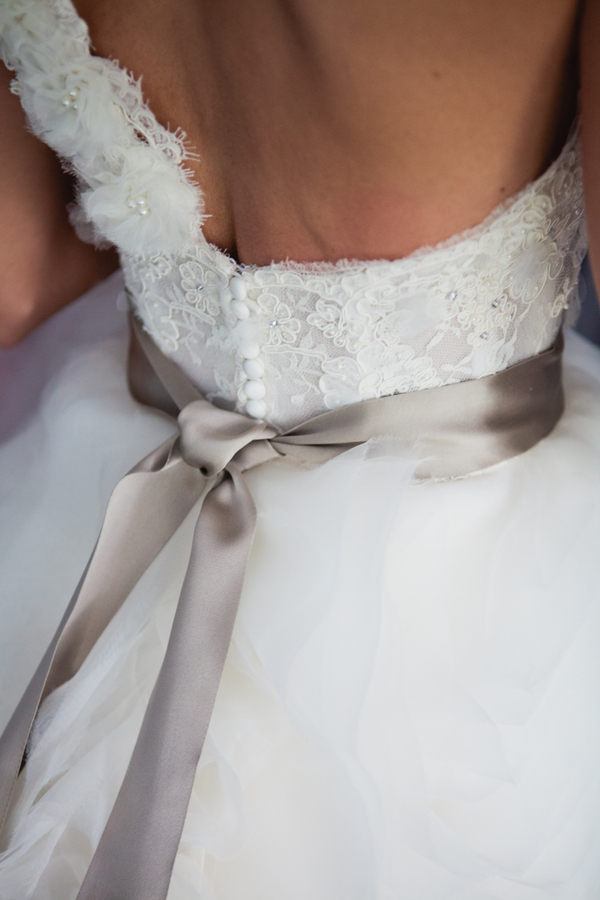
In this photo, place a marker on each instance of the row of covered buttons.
(253, 389)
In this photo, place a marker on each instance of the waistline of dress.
(453, 430)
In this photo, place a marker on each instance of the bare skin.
(44, 265)
(329, 129)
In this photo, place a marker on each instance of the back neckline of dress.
(145, 133)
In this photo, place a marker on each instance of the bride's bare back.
(341, 128)
(327, 129)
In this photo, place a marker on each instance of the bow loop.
(210, 437)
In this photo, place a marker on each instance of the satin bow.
(454, 430)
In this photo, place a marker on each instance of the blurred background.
(588, 323)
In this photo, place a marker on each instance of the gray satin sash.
(454, 430)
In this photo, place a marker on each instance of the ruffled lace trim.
(333, 334)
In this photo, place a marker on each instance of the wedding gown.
(410, 705)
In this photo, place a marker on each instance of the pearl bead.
(238, 288)
(140, 204)
(254, 368)
(71, 97)
(256, 409)
(239, 309)
(250, 350)
(484, 335)
(254, 390)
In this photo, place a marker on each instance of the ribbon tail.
(145, 509)
(154, 796)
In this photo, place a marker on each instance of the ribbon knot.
(211, 438)
(458, 429)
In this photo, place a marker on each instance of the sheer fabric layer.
(68, 431)
(468, 608)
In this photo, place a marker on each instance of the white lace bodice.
(287, 341)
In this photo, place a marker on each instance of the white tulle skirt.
(410, 709)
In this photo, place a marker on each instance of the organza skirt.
(410, 709)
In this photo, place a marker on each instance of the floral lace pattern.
(294, 340)
(336, 334)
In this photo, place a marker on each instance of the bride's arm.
(43, 264)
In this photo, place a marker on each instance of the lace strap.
(133, 184)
